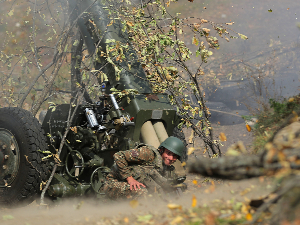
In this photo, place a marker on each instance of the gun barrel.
(100, 29)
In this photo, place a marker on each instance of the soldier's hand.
(134, 184)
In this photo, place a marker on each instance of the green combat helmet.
(174, 145)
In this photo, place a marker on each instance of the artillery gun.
(28, 149)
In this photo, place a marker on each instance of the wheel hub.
(9, 158)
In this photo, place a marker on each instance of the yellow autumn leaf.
(92, 22)
(248, 127)
(134, 203)
(129, 23)
(168, 77)
(271, 152)
(245, 208)
(247, 190)
(183, 164)
(190, 150)
(11, 12)
(126, 220)
(194, 201)
(177, 220)
(196, 26)
(269, 146)
(281, 156)
(212, 187)
(232, 152)
(249, 217)
(195, 41)
(191, 138)
(223, 137)
(195, 182)
(294, 118)
(111, 22)
(174, 206)
(206, 30)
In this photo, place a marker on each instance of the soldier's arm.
(134, 156)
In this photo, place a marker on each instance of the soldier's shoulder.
(143, 145)
(146, 152)
(146, 148)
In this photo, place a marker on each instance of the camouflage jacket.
(145, 165)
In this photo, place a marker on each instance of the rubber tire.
(30, 138)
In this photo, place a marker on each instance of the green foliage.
(231, 222)
(157, 36)
(271, 118)
(284, 108)
(7, 217)
(278, 111)
(144, 218)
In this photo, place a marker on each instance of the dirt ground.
(91, 212)
(206, 191)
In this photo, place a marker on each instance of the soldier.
(144, 170)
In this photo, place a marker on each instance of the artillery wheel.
(21, 167)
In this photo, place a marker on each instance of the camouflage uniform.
(145, 165)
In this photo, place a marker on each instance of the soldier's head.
(171, 149)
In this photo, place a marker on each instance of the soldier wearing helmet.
(144, 170)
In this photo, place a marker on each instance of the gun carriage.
(28, 149)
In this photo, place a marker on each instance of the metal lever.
(114, 102)
(128, 124)
(90, 115)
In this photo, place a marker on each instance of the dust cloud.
(93, 211)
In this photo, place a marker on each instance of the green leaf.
(66, 48)
(7, 217)
(76, 42)
(244, 37)
(110, 41)
(45, 152)
(145, 218)
(11, 12)
(238, 206)
(172, 68)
